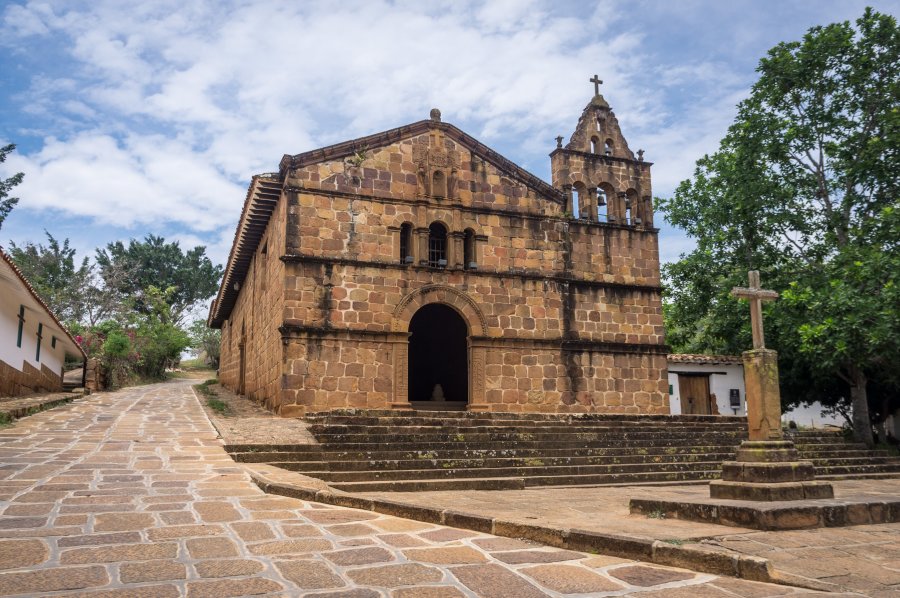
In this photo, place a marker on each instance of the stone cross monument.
(766, 467)
(760, 368)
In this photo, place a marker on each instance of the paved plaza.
(130, 493)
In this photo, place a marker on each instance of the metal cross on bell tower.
(597, 81)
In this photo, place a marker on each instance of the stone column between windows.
(455, 251)
(421, 244)
(592, 204)
(567, 190)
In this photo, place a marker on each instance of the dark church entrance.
(438, 359)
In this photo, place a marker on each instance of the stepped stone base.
(775, 515)
(768, 492)
(769, 470)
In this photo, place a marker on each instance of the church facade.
(418, 268)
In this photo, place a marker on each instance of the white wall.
(9, 328)
(810, 416)
(723, 377)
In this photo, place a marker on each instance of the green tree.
(158, 341)
(801, 186)
(155, 263)
(206, 341)
(52, 271)
(8, 203)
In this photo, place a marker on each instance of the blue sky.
(137, 118)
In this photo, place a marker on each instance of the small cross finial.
(559, 141)
(756, 295)
(597, 81)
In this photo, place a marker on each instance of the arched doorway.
(438, 355)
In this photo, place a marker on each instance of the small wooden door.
(694, 391)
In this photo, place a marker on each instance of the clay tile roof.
(704, 359)
(6, 258)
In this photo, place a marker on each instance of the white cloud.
(146, 180)
(168, 108)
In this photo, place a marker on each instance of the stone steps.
(383, 451)
(451, 453)
(444, 462)
(558, 471)
(519, 483)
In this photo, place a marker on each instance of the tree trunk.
(862, 425)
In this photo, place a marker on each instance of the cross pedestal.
(767, 467)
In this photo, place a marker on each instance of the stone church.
(418, 268)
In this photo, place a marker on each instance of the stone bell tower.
(599, 174)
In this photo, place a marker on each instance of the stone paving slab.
(248, 423)
(143, 501)
(862, 559)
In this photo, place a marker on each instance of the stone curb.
(38, 404)
(695, 558)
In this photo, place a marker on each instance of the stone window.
(608, 147)
(470, 262)
(595, 141)
(406, 244)
(437, 245)
(439, 184)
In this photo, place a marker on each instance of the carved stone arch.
(439, 293)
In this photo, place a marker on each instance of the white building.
(33, 343)
(706, 384)
(695, 379)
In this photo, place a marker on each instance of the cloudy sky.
(150, 117)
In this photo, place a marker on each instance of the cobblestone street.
(131, 494)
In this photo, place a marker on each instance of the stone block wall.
(28, 380)
(563, 315)
(255, 321)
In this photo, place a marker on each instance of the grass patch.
(5, 419)
(219, 406)
(212, 397)
(657, 514)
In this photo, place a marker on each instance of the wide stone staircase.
(382, 451)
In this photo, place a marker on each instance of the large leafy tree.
(55, 274)
(7, 203)
(804, 188)
(154, 263)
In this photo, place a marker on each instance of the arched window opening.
(406, 256)
(437, 245)
(608, 147)
(579, 197)
(597, 123)
(595, 141)
(439, 184)
(470, 262)
(602, 201)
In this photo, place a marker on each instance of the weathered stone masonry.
(560, 295)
